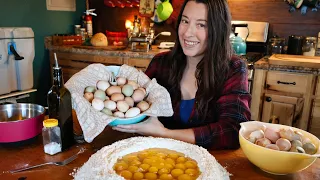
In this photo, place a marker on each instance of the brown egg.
(143, 89)
(263, 142)
(129, 101)
(286, 133)
(271, 134)
(88, 96)
(117, 97)
(143, 105)
(122, 106)
(283, 144)
(121, 81)
(133, 83)
(137, 95)
(113, 89)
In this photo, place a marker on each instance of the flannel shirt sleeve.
(233, 108)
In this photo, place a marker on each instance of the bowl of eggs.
(118, 97)
(278, 149)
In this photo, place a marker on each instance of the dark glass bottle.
(59, 104)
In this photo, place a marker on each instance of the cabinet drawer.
(138, 63)
(287, 82)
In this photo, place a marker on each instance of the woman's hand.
(150, 127)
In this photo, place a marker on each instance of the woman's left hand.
(150, 127)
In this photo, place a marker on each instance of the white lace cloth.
(92, 121)
(100, 164)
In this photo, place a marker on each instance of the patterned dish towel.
(92, 121)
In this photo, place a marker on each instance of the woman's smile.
(190, 44)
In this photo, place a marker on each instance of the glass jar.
(51, 136)
(83, 33)
(276, 45)
(309, 46)
(77, 29)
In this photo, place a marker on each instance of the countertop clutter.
(102, 50)
(234, 161)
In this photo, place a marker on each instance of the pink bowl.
(19, 122)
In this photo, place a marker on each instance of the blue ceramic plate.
(119, 121)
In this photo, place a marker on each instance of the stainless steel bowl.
(20, 111)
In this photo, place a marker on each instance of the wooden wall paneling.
(282, 22)
(287, 29)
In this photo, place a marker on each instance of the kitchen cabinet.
(286, 109)
(285, 95)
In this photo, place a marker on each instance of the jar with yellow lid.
(51, 135)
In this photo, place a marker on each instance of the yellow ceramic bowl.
(273, 161)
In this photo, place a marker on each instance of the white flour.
(52, 148)
(100, 165)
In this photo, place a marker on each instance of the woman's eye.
(201, 25)
(184, 21)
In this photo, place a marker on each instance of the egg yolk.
(157, 164)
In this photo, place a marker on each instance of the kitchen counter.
(265, 65)
(110, 51)
(234, 161)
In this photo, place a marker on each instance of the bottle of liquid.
(136, 29)
(59, 104)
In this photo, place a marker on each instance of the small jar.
(77, 29)
(83, 33)
(51, 136)
(309, 46)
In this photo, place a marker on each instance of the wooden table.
(17, 157)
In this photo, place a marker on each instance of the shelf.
(12, 97)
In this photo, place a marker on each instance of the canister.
(309, 46)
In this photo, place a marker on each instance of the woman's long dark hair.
(212, 70)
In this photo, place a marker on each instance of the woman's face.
(193, 31)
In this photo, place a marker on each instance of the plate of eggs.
(118, 97)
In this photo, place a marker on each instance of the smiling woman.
(207, 84)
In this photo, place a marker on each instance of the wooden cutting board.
(295, 60)
(108, 48)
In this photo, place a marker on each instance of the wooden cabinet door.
(314, 126)
(287, 109)
(139, 63)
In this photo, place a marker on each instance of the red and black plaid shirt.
(231, 108)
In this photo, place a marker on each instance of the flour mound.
(100, 164)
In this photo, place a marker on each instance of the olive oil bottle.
(59, 104)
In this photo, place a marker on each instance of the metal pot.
(19, 122)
